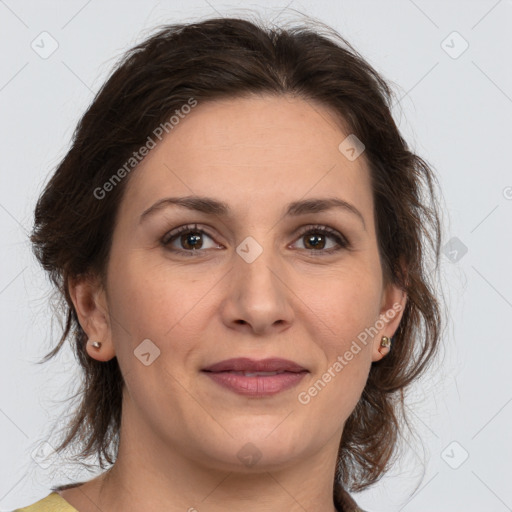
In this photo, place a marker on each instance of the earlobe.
(383, 349)
(99, 350)
(89, 300)
(393, 306)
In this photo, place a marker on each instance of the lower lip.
(259, 385)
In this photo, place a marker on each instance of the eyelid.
(323, 229)
(184, 229)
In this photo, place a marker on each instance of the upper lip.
(241, 364)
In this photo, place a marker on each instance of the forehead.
(251, 151)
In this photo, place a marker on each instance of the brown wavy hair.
(229, 58)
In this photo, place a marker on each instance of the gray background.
(455, 111)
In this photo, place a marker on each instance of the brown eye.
(188, 240)
(315, 241)
(191, 240)
(322, 239)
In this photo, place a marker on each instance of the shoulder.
(54, 502)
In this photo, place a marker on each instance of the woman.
(239, 234)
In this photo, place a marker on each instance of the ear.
(393, 304)
(91, 306)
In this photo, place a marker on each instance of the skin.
(181, 432)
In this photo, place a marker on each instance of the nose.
(258, 297)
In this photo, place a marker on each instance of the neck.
(134, 484)
(150, 475)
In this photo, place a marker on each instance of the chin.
(260, 448)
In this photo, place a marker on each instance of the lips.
(244, 364)
(253, 378)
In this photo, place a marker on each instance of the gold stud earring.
(96, 344)
(385, 342)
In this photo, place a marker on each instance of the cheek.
(143, 296)
(348, 304)
(340, 319)
(148, 302)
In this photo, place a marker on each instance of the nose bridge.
(257, 265)
(257, 292)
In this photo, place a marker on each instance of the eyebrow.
(212, 206)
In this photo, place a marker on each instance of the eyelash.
(342, 242)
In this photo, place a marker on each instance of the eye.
(190, 240)
(316, 239)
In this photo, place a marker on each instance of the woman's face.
(253, 277)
